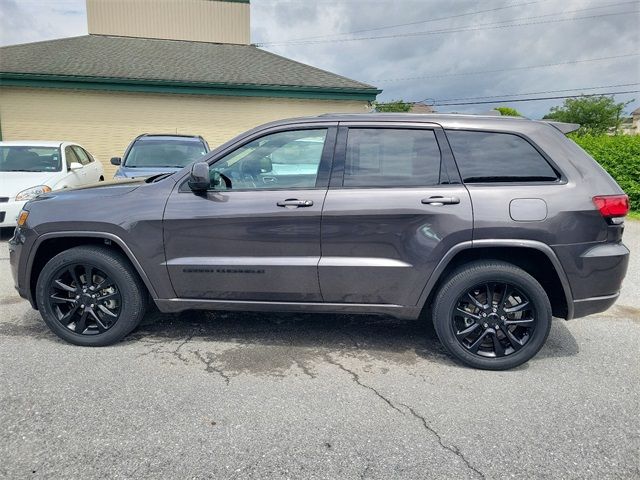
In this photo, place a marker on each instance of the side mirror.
(116, 160)
(199, 177)
(75, 166)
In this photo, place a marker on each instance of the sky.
(438, 51)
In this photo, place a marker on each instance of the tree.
(392, 106)
(508, 112)
(595, 114)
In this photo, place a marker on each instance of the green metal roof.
(170, 66)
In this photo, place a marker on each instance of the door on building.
(255, 235)
(394, 207)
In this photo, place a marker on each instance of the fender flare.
(92, 234)
(497, 243)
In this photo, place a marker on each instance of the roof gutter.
(30, 80)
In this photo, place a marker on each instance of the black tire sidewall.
(465, 279)
(117, 268)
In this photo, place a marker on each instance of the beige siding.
(196, 20)
(105, 122)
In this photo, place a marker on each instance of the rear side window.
(498, 157)
(385, 157)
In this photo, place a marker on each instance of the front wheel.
(492, 315)
(90, 296)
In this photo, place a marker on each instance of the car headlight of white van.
(32, 192)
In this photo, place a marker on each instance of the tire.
(117, 291)
(462, 305)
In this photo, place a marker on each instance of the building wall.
(195, 20)
(105, 122)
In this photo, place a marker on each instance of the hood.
(136, 172)
(94, 190)
(12, 183)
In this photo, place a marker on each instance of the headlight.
(32, 192)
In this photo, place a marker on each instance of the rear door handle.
(438, 201)
(295, 203)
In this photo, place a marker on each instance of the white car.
(30, 168)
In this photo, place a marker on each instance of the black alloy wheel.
(91, 295)
(84, 299)
(493, 319)
(491, 314)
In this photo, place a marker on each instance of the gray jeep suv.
(490, 226)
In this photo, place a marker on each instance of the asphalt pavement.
(275, 396)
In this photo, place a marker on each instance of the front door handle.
(437, 201)
(295, 203)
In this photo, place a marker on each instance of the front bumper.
(589, 306)
(9, 213)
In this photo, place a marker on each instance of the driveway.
(222, 395)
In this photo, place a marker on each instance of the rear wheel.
(492, 315)
(90, 296)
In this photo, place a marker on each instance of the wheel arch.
(50, 244)
(536, 258)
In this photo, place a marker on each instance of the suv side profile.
(149, 154)
(488, 225)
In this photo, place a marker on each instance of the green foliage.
(392, 106)
(508, 112)
(620, 156)
(595, 114)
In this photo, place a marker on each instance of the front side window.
(82, 155)
(71, 156)
(29, 159)
(498, 157)
(152, 152)
(386, 157)
(280, 160)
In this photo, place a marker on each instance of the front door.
(395, 206)
(255, 235)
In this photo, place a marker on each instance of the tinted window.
(29, 159)
(280, 160)
(498, 157)
(162, 152)
(381, 157)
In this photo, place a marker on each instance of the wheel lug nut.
(81, 306)
(92, 305)
(485, 325)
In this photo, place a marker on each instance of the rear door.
(255, 235)
(394, 207)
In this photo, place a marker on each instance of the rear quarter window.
(498, 157)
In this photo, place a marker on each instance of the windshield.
(164, 153)
(29, 159)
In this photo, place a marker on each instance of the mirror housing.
(199, 177)
(75, 166)
(116, 160)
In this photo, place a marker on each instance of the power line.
(479, 72)
(538, 93)
(487, 26)
(418, 22)
(506, 100)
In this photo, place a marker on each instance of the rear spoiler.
(564, 127)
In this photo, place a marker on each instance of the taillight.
(612, 205)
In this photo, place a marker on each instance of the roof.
(445, 120)
(33, 143)
(214, 68)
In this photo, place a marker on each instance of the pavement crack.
(176, 352)
(210, 367)
(306, 370)
(356, 379)
(452, 448)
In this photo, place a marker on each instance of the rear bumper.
(589, 306)
(595, 274)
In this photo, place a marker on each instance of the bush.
(620, 156)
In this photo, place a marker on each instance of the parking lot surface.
(232, 395)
